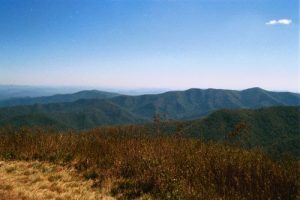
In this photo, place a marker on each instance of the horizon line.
(162, 89)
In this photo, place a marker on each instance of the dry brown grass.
(140, 167)
(41, 180)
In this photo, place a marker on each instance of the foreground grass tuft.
(30, 181)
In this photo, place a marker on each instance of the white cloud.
(279, 22)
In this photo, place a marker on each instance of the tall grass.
(157, 167)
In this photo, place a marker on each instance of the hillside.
(81, 114)
(176, 105)
(194, 103)
(58, 98)
(137, 167)
(276, 129)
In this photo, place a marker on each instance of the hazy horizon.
(127, 90)
(150, 44)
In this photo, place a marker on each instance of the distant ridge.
(194, 103)
(19, 91)
(58, 98)
(96, 108)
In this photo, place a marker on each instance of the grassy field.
(143, 167)
(41, 180)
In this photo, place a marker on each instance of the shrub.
(158, 167)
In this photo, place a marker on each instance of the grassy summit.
(42, 181)
(143, 167)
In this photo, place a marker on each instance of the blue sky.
(174, 44)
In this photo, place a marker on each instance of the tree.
(157, 121)
(240, 135)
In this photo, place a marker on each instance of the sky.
(176, 44)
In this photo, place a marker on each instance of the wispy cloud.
(279, 22)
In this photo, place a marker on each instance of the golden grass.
(140, 167)
(41, 180)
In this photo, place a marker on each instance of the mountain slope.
(272, 120)
(18, 91)
(194, 103)
(275, 129)
(86, 94)
(76, 115)
(176, 105)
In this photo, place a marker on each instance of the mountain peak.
(254, 89)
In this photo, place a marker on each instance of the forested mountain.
(175, 105)
(81, 114)
(275, 129)
(194, 103)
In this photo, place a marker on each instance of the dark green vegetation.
(87, 94)
(157, 167)
(180, 105)
(195, 103)
(276, 130)
(77, 115)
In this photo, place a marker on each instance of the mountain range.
(19, 91)
(86, 94)
(88, 109)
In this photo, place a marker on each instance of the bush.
(159, 167)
